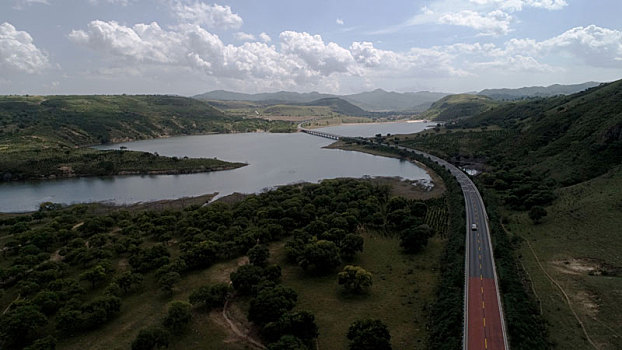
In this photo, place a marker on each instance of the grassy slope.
(571, 139)
(402, 288)
(458, 106)
(340, 106)
(580, 234)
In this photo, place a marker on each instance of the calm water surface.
(273, 160)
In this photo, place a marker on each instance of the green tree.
(168, 280)
(300, 324)
(258, 255)
(414, 239)
(245, 277)
(354, 278)
(321, 257)
(271, 303)
(369, 335)
(20, 326)
(201, 255)
(536, 213)
(94, 275)
(151, 338)
(179, 314)
(128, 279)
(288, 342)
(350, 245)
(210, 296)
(47, 301)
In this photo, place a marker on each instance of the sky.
(187, 47)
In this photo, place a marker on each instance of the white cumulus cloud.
(18, 52)
(241, 36)
(326, 58)
(493, 23)
(299, 59)
(140, 43)
(265, 37)
(212, 16)
(488, 17)
(592, 45)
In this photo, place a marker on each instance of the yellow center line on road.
(483, 307)
(485, 343)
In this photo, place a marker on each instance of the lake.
(273, 160)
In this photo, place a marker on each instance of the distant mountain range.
(374, 101)
(537, 91)
(382, 101)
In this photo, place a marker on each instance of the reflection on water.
(274, 159)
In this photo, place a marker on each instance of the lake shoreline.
(265, 161)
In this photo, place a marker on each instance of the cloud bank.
(18, 52)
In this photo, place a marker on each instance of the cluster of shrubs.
(64, 262)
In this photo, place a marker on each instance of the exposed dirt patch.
(588, 302)
(56, 256)
(581, 266)
(232, 198)
(123, 264)
(216, 317)
(239, 327)
(221, 272)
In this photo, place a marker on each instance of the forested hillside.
(569, 139)
(79, 120)
(43, 136)
(87, 277)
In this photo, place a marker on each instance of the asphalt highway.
(484, 325)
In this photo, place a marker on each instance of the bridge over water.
(321, 134)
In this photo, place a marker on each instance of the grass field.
(403, 287)
(573, 259)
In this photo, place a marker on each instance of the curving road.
(484, 325)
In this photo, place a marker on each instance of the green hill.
(458, 106)
(41, 136)
(570, 139)
(536, 91)
(340, 106)
(80, 120)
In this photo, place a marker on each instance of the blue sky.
(188, 47)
